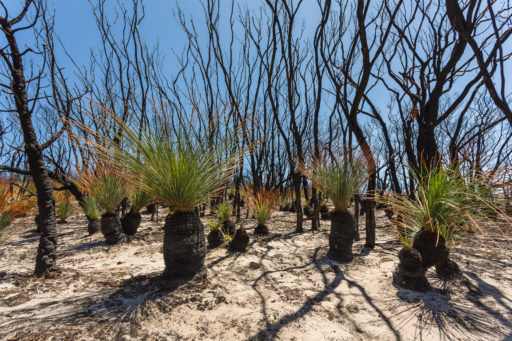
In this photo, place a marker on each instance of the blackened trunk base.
(240, 240)
(93, 226)
(342, 235)
(432, 248)
(410, 273)
(111, 228)
(448, 270)
(215, 238)
(131, 222)
(261, 229)
(184, 245)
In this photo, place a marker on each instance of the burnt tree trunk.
(46, 222)
(305, 186)
(370, 212)
(315, 221)
(357, 200)
(298, 202)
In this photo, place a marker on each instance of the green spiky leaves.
(338, 180)
(180, 169)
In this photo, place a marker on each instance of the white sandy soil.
(283, 287)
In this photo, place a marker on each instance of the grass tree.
(64, 208)
(224, 214)
(138, 199)
(447, 208)
(215, 237)
(93, 213)
(339, 181)
(108, 188)
(261, 204)
(179, 169)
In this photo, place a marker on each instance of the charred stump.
(261, 229)
(215, 238)
(184, 245)
(432, 248)
(448, 270)
(410, 273)
(240, 240)
(341, 236)
(93, 226)
(111, 228)
(131, 222)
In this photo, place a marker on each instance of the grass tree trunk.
(184, 245)
(46, 221)
(341, 237)
(111, 228)
(131, 222)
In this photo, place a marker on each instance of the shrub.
(261, 204)
(339, 181)
(11, 208)
(139, 199)
(106, 185)
(224, 211)
(91, 208)
(64, 210)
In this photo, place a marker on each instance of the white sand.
(283, 287)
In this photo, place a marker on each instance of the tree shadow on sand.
(132, 298)
(272, 329)
(437, 314)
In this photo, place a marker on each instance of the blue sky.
(76, 27)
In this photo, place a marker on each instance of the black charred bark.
(240, 240)
(215, 238)
(261, 229)
(341, 237)
(111, 228)
(46, 222)
(131, 222)
(184, 245)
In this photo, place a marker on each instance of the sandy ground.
(283, 287)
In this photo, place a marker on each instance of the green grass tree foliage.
(64, 210)
(91, 208)
(180, 168)
(447, 202)
(224, 211)
(261, 204)
(93, 212)
(107, 185)
(339, 180)
(448, 207)
(139, 199)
